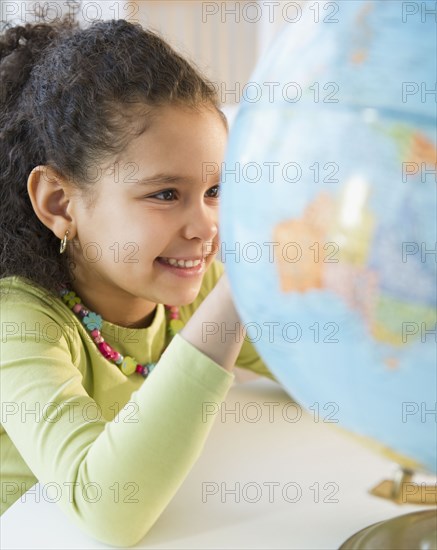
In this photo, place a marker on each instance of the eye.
(168, 195)
(215, 192)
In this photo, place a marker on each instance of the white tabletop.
(262, 481)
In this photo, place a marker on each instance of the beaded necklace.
(93, 323)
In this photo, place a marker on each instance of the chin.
(186, 299)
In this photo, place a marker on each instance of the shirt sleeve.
(115, 477)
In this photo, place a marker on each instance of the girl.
(107, 215)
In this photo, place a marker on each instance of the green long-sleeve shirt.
(114, 449)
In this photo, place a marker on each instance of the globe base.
(417, 530)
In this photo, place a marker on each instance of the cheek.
(149, 237)
(104, 231)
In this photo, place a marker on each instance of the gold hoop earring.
(63, 243)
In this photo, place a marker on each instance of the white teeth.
(182, 263)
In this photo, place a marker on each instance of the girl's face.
(137, 228)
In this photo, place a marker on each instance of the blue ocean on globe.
(329, 202)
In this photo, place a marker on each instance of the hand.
(215, 328)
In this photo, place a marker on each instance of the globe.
(328, 219)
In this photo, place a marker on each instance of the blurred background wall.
(225, 39)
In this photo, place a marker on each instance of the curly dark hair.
(65, 100)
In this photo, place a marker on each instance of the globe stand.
(403, 490)
(414, 531)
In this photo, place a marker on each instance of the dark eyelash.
(174, 191)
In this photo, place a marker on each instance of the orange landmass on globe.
(413, 146)
(326, 222)
(422, 150)
(359, 56)
(392, 363)
(301, 273)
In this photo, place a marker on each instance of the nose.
(201, 222)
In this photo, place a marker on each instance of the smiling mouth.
(181, 263)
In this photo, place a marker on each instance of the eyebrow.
(159, 179)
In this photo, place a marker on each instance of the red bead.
(106, 350)
(95, 333)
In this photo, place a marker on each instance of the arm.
(117, 477)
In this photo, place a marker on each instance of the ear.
(51, 198)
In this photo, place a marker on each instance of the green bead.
(175, 326)
(128, 366)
